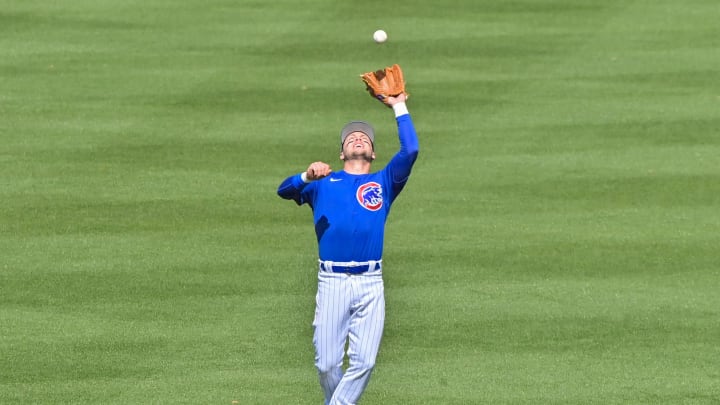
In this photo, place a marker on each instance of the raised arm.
(388, 86)
(401, 164)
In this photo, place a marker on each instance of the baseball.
(380, 36)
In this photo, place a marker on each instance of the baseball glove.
(384, 83)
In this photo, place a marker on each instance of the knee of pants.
(327, 364)
(364, 365)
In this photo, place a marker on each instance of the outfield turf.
(557, 242)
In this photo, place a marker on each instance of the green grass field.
(558, 242)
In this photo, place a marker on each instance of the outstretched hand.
(318, 170)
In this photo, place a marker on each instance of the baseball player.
(350, 208)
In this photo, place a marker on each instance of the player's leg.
(365, 333)
(330, 329)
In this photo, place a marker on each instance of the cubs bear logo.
(369, 195)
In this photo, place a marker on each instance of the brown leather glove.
(384, 83)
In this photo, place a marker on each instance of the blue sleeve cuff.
(299, 181)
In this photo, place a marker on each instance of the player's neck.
(357, 166)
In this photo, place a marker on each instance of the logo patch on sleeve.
(369, 195)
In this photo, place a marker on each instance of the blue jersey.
(350, 210)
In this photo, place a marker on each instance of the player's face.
(358, 145)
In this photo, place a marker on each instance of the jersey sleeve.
(400, 166)
(294, 188)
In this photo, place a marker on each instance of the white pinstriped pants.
(349, 308)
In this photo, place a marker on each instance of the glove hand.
(385, 84)
(400, 98)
